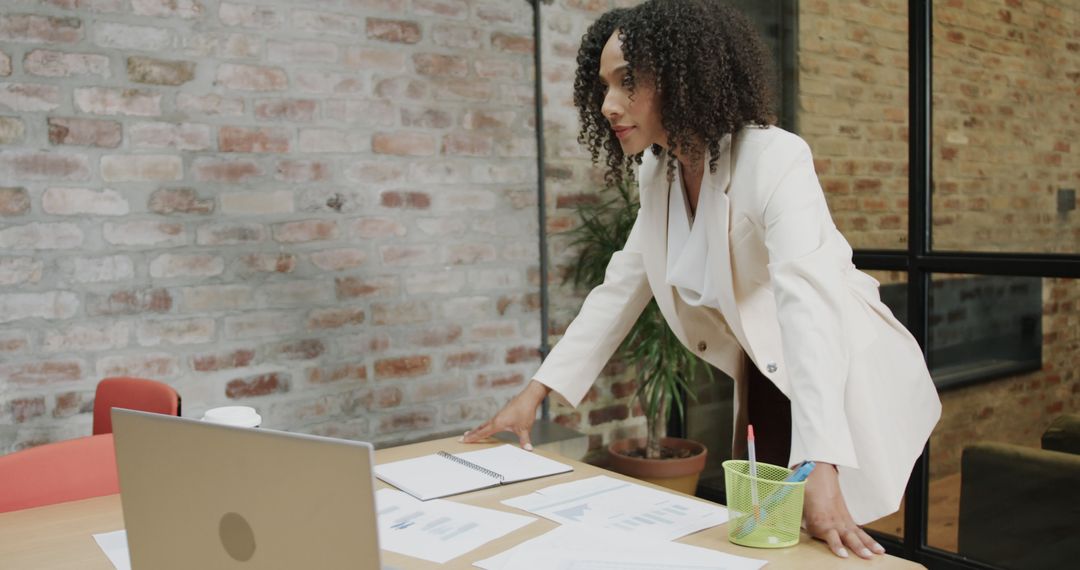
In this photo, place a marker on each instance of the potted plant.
(665, 368)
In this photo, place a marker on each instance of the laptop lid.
(201, 495)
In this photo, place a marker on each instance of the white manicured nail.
(842, 552)
(528, 447)
(866, 553)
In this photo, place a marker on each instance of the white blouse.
(689, 270)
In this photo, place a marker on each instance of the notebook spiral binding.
(470, 465)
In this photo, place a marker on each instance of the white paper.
(573, 547)
(438, 530)
(603, 502)
(514, 463)
(114, 545)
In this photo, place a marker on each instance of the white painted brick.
(141, 168)
(88, 337)
(41, 236)
(217, 298)
(102, 269)
(52, 305)
(49, 63)
(15, 270)
(106, 101)
(76, 201)
(145, 233)
(172, 265)
(182, 136)
(435, 283)
(155, 366)
(263, 324)
(257, 203)
(331, 140)
(175, 331)
(29, 97)
(309, 293)
(128, 37)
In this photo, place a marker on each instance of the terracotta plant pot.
(677, 474)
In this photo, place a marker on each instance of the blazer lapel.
(718, 226)
(654, 195)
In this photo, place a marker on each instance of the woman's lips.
(623, 132)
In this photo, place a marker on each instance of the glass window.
(852, 108)
(1006, 163)
(999, 472)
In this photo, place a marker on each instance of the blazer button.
(771, 367)
(701, 346)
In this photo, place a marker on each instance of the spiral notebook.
(443, 474)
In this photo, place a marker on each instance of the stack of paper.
(575, 547)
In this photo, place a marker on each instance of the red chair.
(133, 394)
(58, 472)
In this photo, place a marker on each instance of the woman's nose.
(611, 109)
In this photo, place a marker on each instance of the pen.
(753, 470)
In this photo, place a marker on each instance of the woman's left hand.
(828, 519)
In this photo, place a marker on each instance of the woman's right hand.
(517, 416)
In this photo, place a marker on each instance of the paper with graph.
(438, 530)
(603, 502)
(581, 548)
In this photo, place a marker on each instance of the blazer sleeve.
(808, 259)
(605, 318)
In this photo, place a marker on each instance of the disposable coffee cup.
(238, 416)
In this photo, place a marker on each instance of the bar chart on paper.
(438, 530)
(621, 506)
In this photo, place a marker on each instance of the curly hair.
(710, 68)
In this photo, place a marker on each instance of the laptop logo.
(237, 537)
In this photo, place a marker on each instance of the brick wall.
(325, 210)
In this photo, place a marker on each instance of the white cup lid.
(242, 416)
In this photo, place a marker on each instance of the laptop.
(202, 495)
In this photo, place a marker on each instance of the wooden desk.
(59, 536)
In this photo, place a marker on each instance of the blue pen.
(799, 474)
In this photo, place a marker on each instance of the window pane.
(853, 111)
(1006, 163)
(998, 478)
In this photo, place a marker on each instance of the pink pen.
(753, 471)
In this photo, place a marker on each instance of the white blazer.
(861, 395)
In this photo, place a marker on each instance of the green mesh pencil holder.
(777, 520)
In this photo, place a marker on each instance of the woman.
(736, 244)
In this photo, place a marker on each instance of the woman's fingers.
(523, 439)
(870, 543)
(832, 538)
(483, 432)
(855, 543)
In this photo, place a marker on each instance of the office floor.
(943, 516)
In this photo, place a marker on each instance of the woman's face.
(634, 116)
